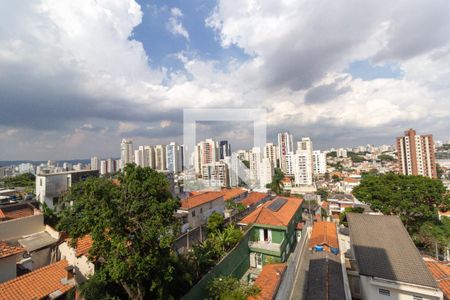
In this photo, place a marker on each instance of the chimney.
(70, 272)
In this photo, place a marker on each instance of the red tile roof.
(351, 180)
(83, 245)
(441, 273)
(324, 233)
(254, 198)
(6, 249)
(2, 215)
(268, 281)
(38, 284)
(199, 199)
(265, 216)
(230, 194)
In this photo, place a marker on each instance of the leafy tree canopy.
(132, 226)
(26, 180)
(277, 182)
(347, 210)
(215, 222)
(415, 199)
(230, 288)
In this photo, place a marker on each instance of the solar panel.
(277, 204)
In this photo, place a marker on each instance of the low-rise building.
(441, 273)
(387, 261)
(50, 282)
(195, 210)
(50, 187)
(268, 281)
(9, 255)
(273, 232)
(78, 257)
(338, 202)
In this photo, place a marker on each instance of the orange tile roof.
(253, 197)
(199, 199)
(83, 245)
(2, 215)
(441, 273)
(445, 213)
(38, 284)
(230, 194)
(324, 233)
(268, 281)
(265, 216)
(351, 180)
(7, 249)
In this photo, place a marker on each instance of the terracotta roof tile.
(324, 233)
(230, 194)
(6, 249)
(268, 281)
(83, 245)
(199, 199)
(23, 211)
(38, 284)
(2, 215)
(265, 216)
(253, 198)
(441, 273)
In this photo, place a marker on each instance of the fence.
(289, 277)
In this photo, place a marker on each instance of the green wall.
(236, 263)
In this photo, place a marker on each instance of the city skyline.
(132, 68)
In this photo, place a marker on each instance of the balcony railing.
(265, 245)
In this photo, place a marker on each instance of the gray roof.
(325, 279)
(37, 241)
(384, 249)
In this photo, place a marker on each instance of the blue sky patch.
(366, 71)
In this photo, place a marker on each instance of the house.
(195, 210)
(441, 273)
(78, 257)
(325, 274)
(348, 183)
(274, 230)
(387, 261)
(9, 255)
(23, 225)
(268, 281)
(324, 237)
(338, 202)
(50, 187)
(49, 282)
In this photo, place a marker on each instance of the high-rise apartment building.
(319, 162)
(216, 174)
(160, 158)
(205, 152)
(174, 157)
(224, 149)
(126, 152)
(95, 163)
(285, 146)
(302, 168)
(416, 154)
(270, 152)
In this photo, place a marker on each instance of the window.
(193, 213)
(201, 210)
(384, 292)
(40, 182)
(266, 234)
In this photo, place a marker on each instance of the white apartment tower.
(270, 152)
(160, 158)
(174, 157)
(95, 163)
(126, 152)
(319, 162)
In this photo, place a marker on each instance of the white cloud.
(174, 24)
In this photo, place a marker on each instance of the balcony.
(265, 245)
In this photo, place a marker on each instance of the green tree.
(347, 210)
(415, 199)
(27, 180)
(323, 193)
(386, 157)
(277, 185)
(132, 226)
(246, 163)
(230, 288)
(215, 222)
(50, 216)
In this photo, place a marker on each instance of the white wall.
(398, 291)
(83, 267)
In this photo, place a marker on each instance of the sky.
(78, 76)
